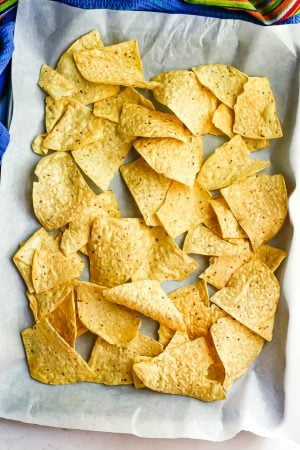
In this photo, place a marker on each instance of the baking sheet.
(263, 401)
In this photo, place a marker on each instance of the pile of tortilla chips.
(229, 211)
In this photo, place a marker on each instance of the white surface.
(257, 402)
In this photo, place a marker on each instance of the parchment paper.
(263, 401)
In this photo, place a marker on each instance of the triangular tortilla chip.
(101, 160)
(110, 108)
(49, 300)
(60, 191)
(113, 365)
(54, 110)
(229, 163)
(38, 144)
(236, 345)
(172, 158)
(148, 188)
(50, 359)
(184, 208)
(136, 120)
(255, 111)
(87, 92)
(202, 241)
(271, 256)
(229, 226)
(63, 319)
(77, 128)
(114, 323)
(226, 82)
(186, 98)
(251, 296)
(148, 298)
(260, 197)
(78, 230)
(183, 370)
(50, 267)
(165, 335)
(54, 84)
(118, 64)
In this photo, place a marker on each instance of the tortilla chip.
(171, 158)
(255, 111)
(229, 163)
(50, 359)
(54, 111)
(59, 194)
(81, 329)
(213, 224)
(271, 256)
(148, 188)
(262, 197)
(148, 298)
(54, 84)
(110, 108)
(251, 296)
(38, 145)
(202, 241)
(118, 64)
(50, 267)
(86, 92)
(223, 119)
(226, 82)
(221, 268)
(77, 128)
(49, 300)
(186, 98)
(162, 259)
(116, 324)
(184, 208)
(78, 231)
(113, 365)
(101, 160)
(193, 303)
(33, 305)
(229, 226)
(237, 347)
(165, 335)
(179, 338)
(182, 370)
(136, 120)
(63, 319)
(24, 257)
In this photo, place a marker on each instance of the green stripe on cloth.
(7, 4)
(271, 6)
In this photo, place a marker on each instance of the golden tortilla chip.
(48, 301)
(226, 82)
(54, 84)
(237, 347)
(229, 163)
(193, 303)
(184, 208)
(54, 110)
(271, 256)
(113, 365)
(148, 188)
(118, 64)
(50, 267)
(50, 359)
(77, 128)
(179, 338)
(101, 160)
(229, 226)
(24, 257)
(171, 158)
(114, 323)
(110, 108)
(213, 224)
(148, 298)
(33, 305)
(86, 92)
(59, 193)
(63, 319)
(223, 119)
(202, 241)
(186, 98)
(77, 232)
(251, 296)
(81, 329)
(259, 204)
(136, 120)
(255, 111)
(165, 335)
(162, 259)
(38, 145)
(183, 370)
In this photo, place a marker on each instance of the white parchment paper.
(265, 400)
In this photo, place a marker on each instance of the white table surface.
(20, 436)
